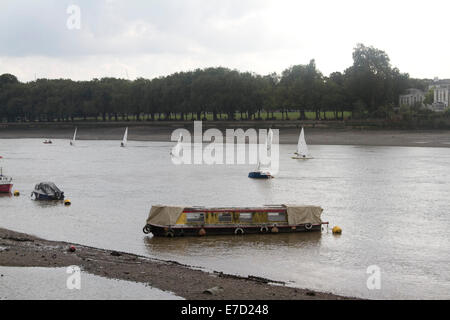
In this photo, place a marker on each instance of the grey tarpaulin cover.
(303, 214)
(164, 215)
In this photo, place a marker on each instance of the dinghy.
(261, 172)
(72, 143)
(125, 138)
(302, 148)
(177, 149)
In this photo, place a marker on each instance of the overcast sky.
(150, 38)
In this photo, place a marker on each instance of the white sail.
(177, 149)
(269, 140)
(74, 137)
(265, 169)
(302, 147)
(125, 138)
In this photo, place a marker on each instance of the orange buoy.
(274, 230)
(202, 232)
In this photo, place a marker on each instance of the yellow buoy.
(337, 230)
(16, 193)
(67, 202)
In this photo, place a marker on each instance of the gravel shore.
(22, 250)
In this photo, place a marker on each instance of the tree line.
(368, 88)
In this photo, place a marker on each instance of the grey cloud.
(30, 28)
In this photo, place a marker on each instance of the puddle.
(51, 284)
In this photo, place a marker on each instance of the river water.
(391, 202)
(52, 284)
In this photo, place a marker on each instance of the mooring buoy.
(337, 230)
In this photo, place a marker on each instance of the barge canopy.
(303, 214)
(164, 215)
(296, 215)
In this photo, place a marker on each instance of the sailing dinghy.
(72, 142)
(302, 148)
(125, 138)
(177, 149)
(262, 172)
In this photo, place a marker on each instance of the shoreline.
(288, 133)
(22, 250)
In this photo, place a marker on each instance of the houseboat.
(172, 221)
(5, 183)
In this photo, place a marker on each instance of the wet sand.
(288, 133)
(22, 250)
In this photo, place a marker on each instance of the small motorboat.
(5, 183)
(47, 141)
(47, 191)
(177, 221)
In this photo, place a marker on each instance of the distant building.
(441, 90)
(441, 101)
(412, 97)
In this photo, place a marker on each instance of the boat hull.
(6, 188)
(45, 197)
(190, 231)
(259, 175)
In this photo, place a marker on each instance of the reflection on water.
(392, 204)
(222, 244)
(47, 203)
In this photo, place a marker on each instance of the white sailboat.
(125, 138)
(72, 142)
(263, 172)
(177, 149)
(302, 148)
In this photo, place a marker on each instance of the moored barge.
(171, 221)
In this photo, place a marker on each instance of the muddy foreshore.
(22, 250)
(316, 134)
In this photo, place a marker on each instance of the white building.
(412, 97)
(441, 102)
(441, 94)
